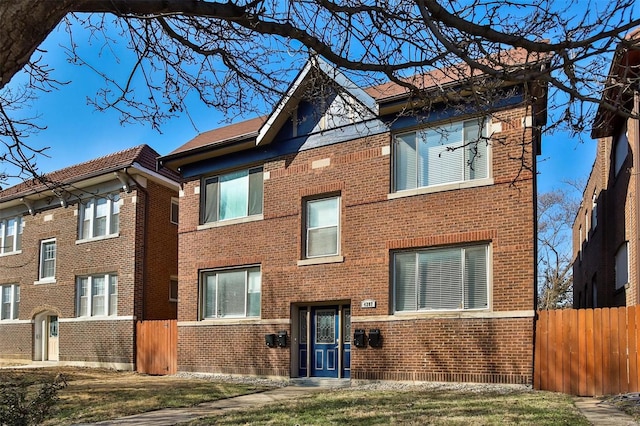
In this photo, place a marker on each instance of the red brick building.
(339, 238)
(605, 231)
(85, 255)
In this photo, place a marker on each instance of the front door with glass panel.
(325, 349)
(52, 344)
(321, 353)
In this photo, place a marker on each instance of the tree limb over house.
(233, 55)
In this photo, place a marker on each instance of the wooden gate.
(588, 352)
(157, 347)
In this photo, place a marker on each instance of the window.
(231, 293)
(100, 217)
(173, 290)
(445, 154)
(620, 149)
(10, 298)
(174, 210)
(233, 195)
(586, 225)
(10, 235)
(594, 211)
(322, 233)
(48, 260)
(622, 266)
(97, 295)
(453, 278)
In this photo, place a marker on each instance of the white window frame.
(41, 268)
(207, 217)
(16, 246)
(465, 148)
(112, 218)
(419, 285)
(173, 218)
(621, 262)
(13, 302)
(309, 229)
(173, 283)
(110, 298)
(208, 312)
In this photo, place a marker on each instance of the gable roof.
(142, 155)
(625, 67)
(261, 130)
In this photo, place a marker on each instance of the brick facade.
(614, 184)
(143, 267)
(492, 345)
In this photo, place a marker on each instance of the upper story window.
(231, 293)
(452, 279)
(594, 211)
(11, 235)
(233, 195)
(99, 217)
(47, 260)
(97, 295)
(620, 148)
(10, 298)
(622, 266)
(449, 153)
(322, 230)
(174, 211)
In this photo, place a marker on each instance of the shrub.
(25, 404)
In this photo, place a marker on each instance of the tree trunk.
(25, 25)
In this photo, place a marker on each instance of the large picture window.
(97, 295)
(232, 195)
(10, 298)
(322, 233)
(454, 278)
(446, 154)
(10, 235)
(99, 217)
(231, 293)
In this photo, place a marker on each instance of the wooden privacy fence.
(157, 347)
(588, 352)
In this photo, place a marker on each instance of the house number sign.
(368, 303)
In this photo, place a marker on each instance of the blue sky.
(76, 132)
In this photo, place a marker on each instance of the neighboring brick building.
(605, 231)
(84, 256)
(327, 220)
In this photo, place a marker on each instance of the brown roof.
(438, 77)
(142, 154)
(223, 134)
(455, 73)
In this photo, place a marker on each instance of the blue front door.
(325, 350)
(320, 352)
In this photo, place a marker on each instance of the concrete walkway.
(602, 414)
(173, 416)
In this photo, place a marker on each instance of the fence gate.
(157, 347)
(588, 352)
